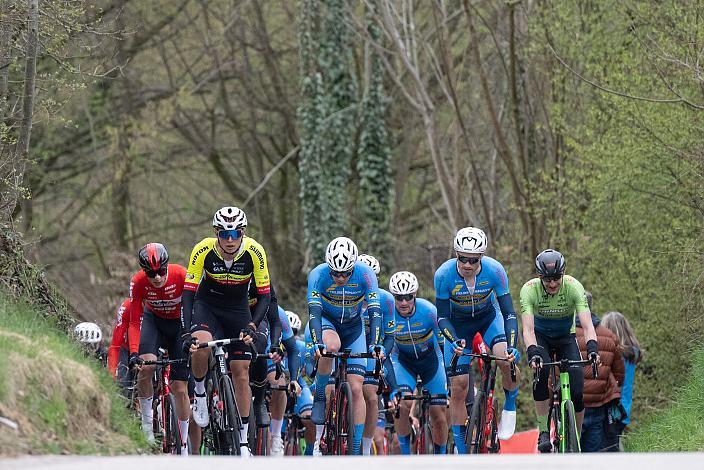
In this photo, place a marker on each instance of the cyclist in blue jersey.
(304, 401)
(337, 290)
(417, 354)
(370, 383)
(471, 295)
(277, 403)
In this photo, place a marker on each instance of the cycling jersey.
(417, 352)
(478, 304)
(220, 286)
(289, 342)
(554, 315)
(416, 336)
(387, 320)
(119, 336)
(342, 305)
(164, 302)
(271, 323)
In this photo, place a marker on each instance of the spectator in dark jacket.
(602, 392)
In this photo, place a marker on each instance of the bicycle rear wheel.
(171, 443)
(571, 434)
(230, 418)
(475, 426)
(345, 421)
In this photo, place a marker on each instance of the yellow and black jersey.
(213, 282)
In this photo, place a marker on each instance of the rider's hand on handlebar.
(189, 344)
(135, 362)
(381, 351)
(594, 358)
(458, 346)
(537, 356)
(247, 334)
(275, 354)
(513, 355)
(296, 388)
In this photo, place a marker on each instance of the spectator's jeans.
(592, 438)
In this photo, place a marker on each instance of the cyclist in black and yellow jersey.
(215, 305)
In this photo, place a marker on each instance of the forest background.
(572, 125)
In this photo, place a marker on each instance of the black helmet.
(550, 263)
(153, 257)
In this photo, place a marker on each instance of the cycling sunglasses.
(551, 278)
(152, 274)
(341, 273)
(402, 297)
(226, 234)
(468, 259)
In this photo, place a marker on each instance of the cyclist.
(277, 403)
(548, 307)
(119, 350)
(336, 292)
(417, 353)
(370, 383)
(215, 305)
(267, 337)
(91, 336)
(471, 294)
(155, 307)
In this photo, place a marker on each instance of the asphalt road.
(620, 461)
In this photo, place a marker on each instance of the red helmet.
(153, 256)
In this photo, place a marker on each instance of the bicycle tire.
(291, 444)
(428, 447)
(261, 443)
(571, 435)
(230, 418)
(494, 444)
(475, 438)
(172, 434)
(345, 421)
(554, 427)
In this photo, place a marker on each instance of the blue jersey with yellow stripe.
(343, 304)
(466, 302)
(416, 336)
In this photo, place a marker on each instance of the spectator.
(632, 354)
(600, 393)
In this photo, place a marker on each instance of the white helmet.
(341, 254)
(294, 320)
(470, 240)
(370, 261)
(403, 282)
(230, 218)
(88, 332)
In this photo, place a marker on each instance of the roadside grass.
(680, 427)
(62, 401)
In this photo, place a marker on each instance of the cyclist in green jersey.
(548, 307)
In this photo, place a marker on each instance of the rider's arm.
(118, 336)
(373, 306)
(315, 308)
(510, 321)
(135, 315)
(190, 284)
(528, 330)
(585, 319)
(293, 358)
(442, 303)
(446, 327)
(261, 279)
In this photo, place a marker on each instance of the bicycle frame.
(561, 395)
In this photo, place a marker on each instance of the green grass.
(681, 426)
(63, 401)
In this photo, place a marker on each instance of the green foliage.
(327, 120)
(679, 427)
(63, 400)
(374, 162)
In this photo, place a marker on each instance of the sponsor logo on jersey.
(457, 288)
(373, 296)
(199, 252)
(315, 295)
(390, 325)
(483, 283)
(259, 254)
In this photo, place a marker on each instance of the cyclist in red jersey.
(155, 295)
(118, 345)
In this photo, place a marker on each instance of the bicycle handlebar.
(485, 357)
(164, 362)
(564, 364)
(347, 354)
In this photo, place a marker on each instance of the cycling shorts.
(351, 337)
(491, 329)
(222, 323)
(157, 332)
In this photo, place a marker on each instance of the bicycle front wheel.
(554, 427)
(345, 421)
(571, 434)
(494, 445)
(172, 435)
(230, 418)
(426, 434)
(475, 426)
